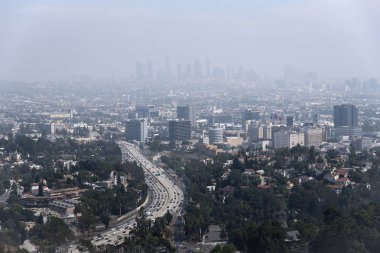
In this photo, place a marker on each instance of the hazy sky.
(42, 40)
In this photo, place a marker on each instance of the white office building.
(288, 140)
(313, 137)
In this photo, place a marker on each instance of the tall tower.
(149, 70)
(186, 112)
(197, 69)
(345, 115)
(140, 70)
(136, 130)
(179, 130)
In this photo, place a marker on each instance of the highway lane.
(167, 196)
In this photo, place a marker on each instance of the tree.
(268, 237)
(40, 219)
(228, 248)
(87, 220)
(223, 233)
(51, 235)
(40, 189)
(338, 236)
(142, 224)
(105, 219)
(237, 165)
(168, 217)
(168, 232)
(312, 153)
(352, 157)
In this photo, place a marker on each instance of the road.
(167, 196)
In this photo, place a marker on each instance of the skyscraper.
(288, 139)
(315, 119)
(179, 130)
(250, 114)
(140, 70)
(313, 137)
(215, 135)
(345, 115)
(289, 121)
(188, 73)
(197, 69)
(149, 70)
(186, 112)
(136, 130)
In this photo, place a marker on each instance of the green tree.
(105, 219)
(40, 189)
(228, 248)
(51, 235)
(40, 219)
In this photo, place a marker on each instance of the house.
(64, 207)
(211, 188)
(249, 172)
(343, 181)
(343, 172)
(286, 173)
(331, 177)
(368, 166)
(35, 187)
(319, 168)
(292, 236)
(304, 179)
(289, 185)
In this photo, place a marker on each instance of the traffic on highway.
(165, 196)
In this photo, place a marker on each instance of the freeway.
(167, 197)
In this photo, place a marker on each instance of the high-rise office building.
(260, 131)
(149, 70)
(186, 112)
(296, 139)
(215, 135)
(345, 115)
(267, 132)
(188, 73)
(289, 121)
(315, 119)
(363, 143)
(142, 111)
(256, 133)
(140, 70)
(313, 137)
(288, 139)
(281, 140)
(197, 69)
(250, 114)
(136, 130)
(179, 130)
